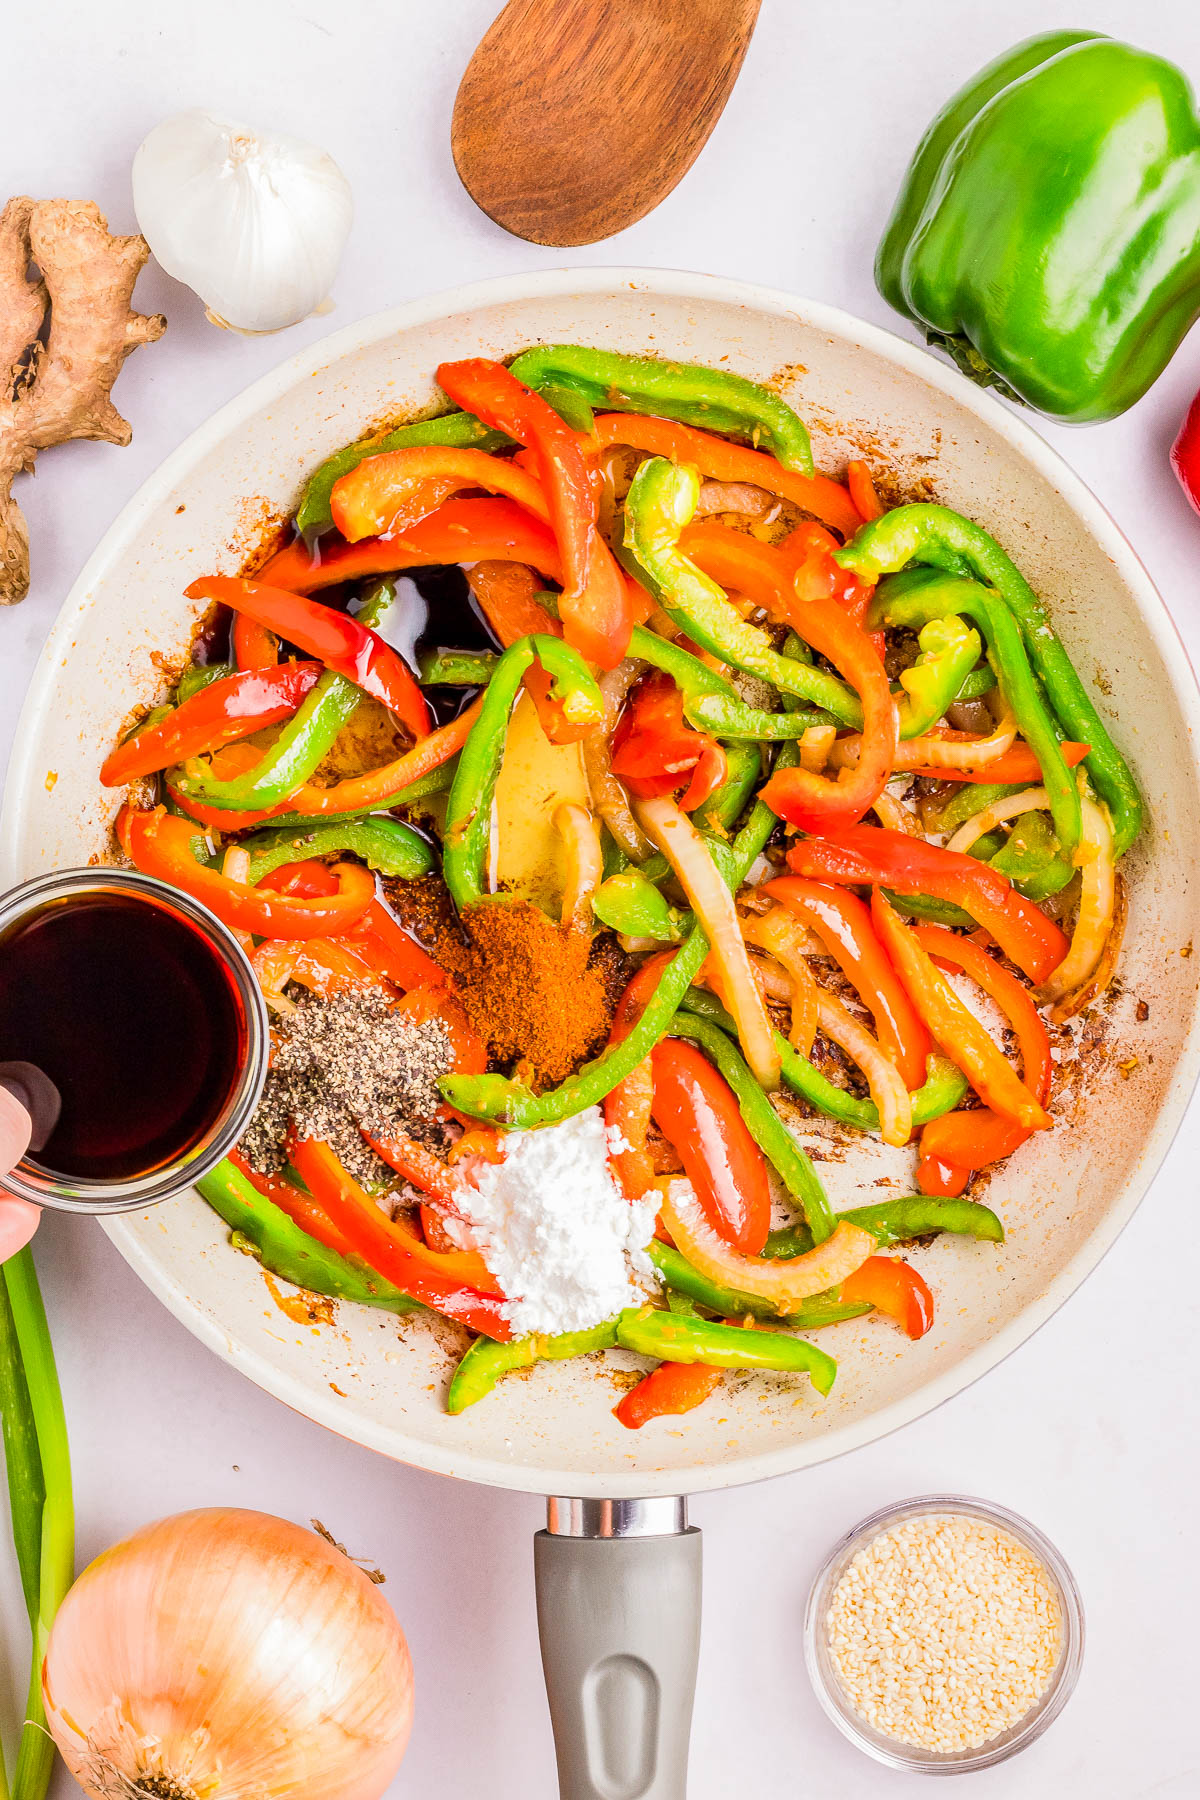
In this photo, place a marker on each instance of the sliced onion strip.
(784, 1281)
(1010, 806)
(773, 933)
(608, 796)
(1097, 904)
(891, 1097)
(674, 834)
(580, 836)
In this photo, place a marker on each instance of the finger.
(18, 1222)
(15, 1129)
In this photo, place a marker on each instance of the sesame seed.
(944, 1631)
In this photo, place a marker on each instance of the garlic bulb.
(228, 1655)
(255, 222)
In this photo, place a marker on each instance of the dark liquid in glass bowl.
(134, 1017)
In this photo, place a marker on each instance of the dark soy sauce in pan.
(134, 1018)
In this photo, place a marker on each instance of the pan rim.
(914, 362)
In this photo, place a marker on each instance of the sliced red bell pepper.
(385, 944)
(869, 855)
(1185, 454)
(941, 1178)
(812, 551)
(387, 494)
(351, 649)
(378, 938)
(326, 965)
(218, 714)
(843, 923)
(698, 1114)
(956, 1029)
(895, 1288)
(301, 1208)
(459, 531)
(254, 647)
(505, 593)
(960, 1142)
(595, 603)
(669, 1389)
(813, 802)
(428, 1275)
(628, 1108)
(160, 844)
(1017, 767)
(654, 751)
(809, 592)
(862, 489)
(720, 460)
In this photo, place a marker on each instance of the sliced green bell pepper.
(714, 399)
(934, 534)
(383, 844)
(945, 1085)
(1047, 234)
(287, 1251)
(681, 1277)
(920, 595)
(660, 503)
(486, 1361)
(456, 430)
(948, 651)
(1031, 859)
(898, 1222)
(457, 668)
(670, 1338)
(469, 810)
(197, 676)
(630, 904)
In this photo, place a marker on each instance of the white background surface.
(1090, 1429)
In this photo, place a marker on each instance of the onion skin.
(236, 1654)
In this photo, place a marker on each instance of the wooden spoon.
(576, 117)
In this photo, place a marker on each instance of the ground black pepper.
(348, 1060)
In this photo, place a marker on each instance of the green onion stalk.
(39, 1492)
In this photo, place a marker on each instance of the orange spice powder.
(533, 992)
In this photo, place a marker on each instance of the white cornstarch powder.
(944, 1631)
(554, 1228)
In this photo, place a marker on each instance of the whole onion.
(228, 1655)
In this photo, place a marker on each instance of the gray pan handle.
(618, 1600)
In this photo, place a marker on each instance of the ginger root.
(58, 390)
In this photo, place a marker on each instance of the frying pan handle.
(618, 1599)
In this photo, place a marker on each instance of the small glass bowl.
(890, 1750)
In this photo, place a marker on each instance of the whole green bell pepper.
(1047, 234)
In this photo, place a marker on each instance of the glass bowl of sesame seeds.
(943, 1634)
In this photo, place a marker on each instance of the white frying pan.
(613, 1569)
